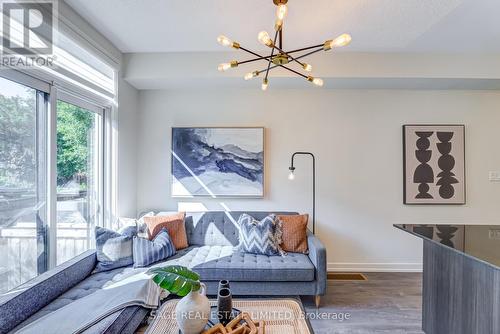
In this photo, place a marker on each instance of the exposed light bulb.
(265, 39)
(281, 12)
(226, 66)
(251, 75)
(278, 25)
(307, 67)
(224, 41)
(342, 40)
(316, 81)
(338, 42)
(265, 84)
(291, 176)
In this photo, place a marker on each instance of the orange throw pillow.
(174, 225)
(294, 233)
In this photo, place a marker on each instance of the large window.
(50, 200)
(79, 178)
(22, 184)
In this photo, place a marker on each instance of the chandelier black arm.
(309, 53)
(255, 54)
(291, 70)
(252, 60)
(272, 53)
(308, 48)
(267, 57)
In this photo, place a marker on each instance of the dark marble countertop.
(479, 241)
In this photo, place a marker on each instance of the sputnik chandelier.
(279, 57)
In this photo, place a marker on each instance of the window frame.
(41, 151)
(68, 97)
(53, 92)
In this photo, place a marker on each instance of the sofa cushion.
(224, 262)
(174, 225)
(148, 251)
(260, 236)
(114, 249)
(294, 233)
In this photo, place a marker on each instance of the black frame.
(404, 165)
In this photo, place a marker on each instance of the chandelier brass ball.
(280, 59)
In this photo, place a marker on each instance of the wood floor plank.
(387, 303)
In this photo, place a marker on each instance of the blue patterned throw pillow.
(260, 237)
(150, 251)
(113, 249)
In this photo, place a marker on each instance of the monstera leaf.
(178, 280)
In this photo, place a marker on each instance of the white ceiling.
(464, 26)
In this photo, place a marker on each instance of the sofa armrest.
(317, 254)
(24, 301)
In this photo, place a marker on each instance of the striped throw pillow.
(260, 237)
(147, 251)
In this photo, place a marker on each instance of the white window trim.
(68, 97)
(98, 96)
(52, 178)
(110, 192)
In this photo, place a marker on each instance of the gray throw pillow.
(148, 251)
(114, 249)
(260, 237)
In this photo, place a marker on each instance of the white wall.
(127, 115)
(356, 137)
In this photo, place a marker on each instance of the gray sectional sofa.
(212, 237)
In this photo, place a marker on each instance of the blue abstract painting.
(218, 162)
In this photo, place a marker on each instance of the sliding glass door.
(79, 176)
(51, 177)
(23, 237)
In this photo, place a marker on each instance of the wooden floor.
(385, 303)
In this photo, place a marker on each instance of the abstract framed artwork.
(217, 162)
(434, 164)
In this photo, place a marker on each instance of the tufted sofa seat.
(212, 237)
(217, 262)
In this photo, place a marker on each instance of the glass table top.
(479, 241)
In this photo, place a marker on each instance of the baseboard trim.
(374, 267)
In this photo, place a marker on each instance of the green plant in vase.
(193, 310)
(178, 280)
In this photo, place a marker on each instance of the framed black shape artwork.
(434, 164)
